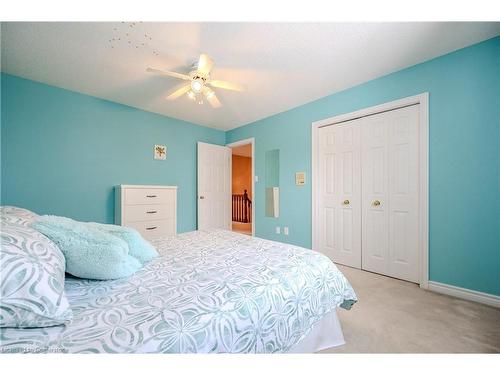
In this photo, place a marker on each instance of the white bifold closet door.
(368, 178)
(390, 193)
(340, 193)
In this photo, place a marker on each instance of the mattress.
(209, 291)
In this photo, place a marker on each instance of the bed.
(208, 292)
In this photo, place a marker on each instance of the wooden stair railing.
(242, 208)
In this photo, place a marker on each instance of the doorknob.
(202, 197)
(376, 203)
(346, 202)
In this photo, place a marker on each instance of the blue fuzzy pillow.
(90, 253)
(139, 248)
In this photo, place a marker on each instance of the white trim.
(241, 143)
(423, 101)
(467, 294)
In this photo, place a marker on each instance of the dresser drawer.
(148, 196)
(153, 228)
(150, 209)
(147, 212)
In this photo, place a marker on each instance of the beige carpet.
(394, 316)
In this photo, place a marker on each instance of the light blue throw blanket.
(96, 251)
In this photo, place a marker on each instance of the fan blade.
(213, 100)
(205, 64)
(226, 85)
(178, 92)
(170, 74)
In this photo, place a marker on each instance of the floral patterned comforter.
(209, 291)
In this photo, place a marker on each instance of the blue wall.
(464, 95)
(62, 152)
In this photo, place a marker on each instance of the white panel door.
(340, 193)
(214, 186)
(389, 143)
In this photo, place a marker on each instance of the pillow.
(31, 278)
(139, 248)
(90, 253)
(16, 215)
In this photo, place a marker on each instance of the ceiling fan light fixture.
(197, 85)
(209, 94)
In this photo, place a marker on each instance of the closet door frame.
(423, 141)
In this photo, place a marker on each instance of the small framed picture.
(160, 152)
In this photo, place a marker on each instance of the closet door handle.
(151, 228)
(346, 202)
(151, 212)
(150, 196)
(376, 203)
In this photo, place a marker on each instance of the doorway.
(242, 187)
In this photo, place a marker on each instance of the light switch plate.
(278, 230)
(300, 178)
(285, 231)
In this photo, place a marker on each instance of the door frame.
(241, 143)
(423, 158)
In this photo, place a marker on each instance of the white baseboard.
(467, 294)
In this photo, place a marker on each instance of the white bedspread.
(209, 291)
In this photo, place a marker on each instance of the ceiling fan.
(199, 83)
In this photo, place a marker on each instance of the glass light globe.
(197, 85)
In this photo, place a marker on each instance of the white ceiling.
(282, 65)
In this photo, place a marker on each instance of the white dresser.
(150, 209)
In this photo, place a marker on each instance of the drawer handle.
(150, 196)
(151, 212)
(151, 228)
